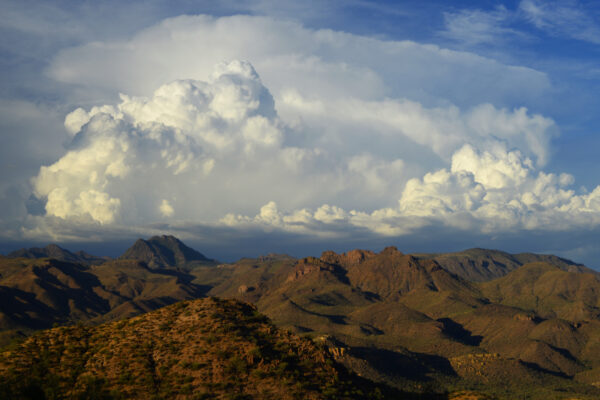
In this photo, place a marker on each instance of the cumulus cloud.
(219, 146)
(500, 190)
(488, 191)
(126, 155)
(166, 209)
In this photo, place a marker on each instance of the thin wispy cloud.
(563, 18)
(501, 26)
(475, 27)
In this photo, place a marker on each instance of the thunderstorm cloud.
(252, 123)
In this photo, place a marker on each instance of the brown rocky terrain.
(488, 322)
(408, 321)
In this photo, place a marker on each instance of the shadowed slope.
(37, 293)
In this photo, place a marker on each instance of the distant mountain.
(165, 251)
(58, 253)
(549, 291)
(480, 265)
(201, 349)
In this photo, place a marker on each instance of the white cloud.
(498, 191)
(440, 129)
(166, 209)
(138, 148)
(319, 64)
(221, 141)
(339, 134)
(502, 191)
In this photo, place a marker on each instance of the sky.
(253, 126)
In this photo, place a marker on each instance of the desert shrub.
(202, 396)
(210, 339)
(125, 377)
(94, 388)
(186, 389)
(258, 373)
(237, 366)
(222, 354)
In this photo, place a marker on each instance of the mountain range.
(503, 325)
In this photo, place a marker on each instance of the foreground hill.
(165, 251)
(202, 349)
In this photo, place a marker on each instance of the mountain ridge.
(480, 265)
(58, 253)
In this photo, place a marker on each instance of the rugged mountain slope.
(165, 251)
(411, 323)
(206, 348)
(58, 253)
(480, 265)
(36, 293)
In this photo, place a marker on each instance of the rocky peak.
(164, 251)
(309, 265)
(350, 258)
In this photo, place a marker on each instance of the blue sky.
(256, 126)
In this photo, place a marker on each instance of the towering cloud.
(204, 151)
(141, 154)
